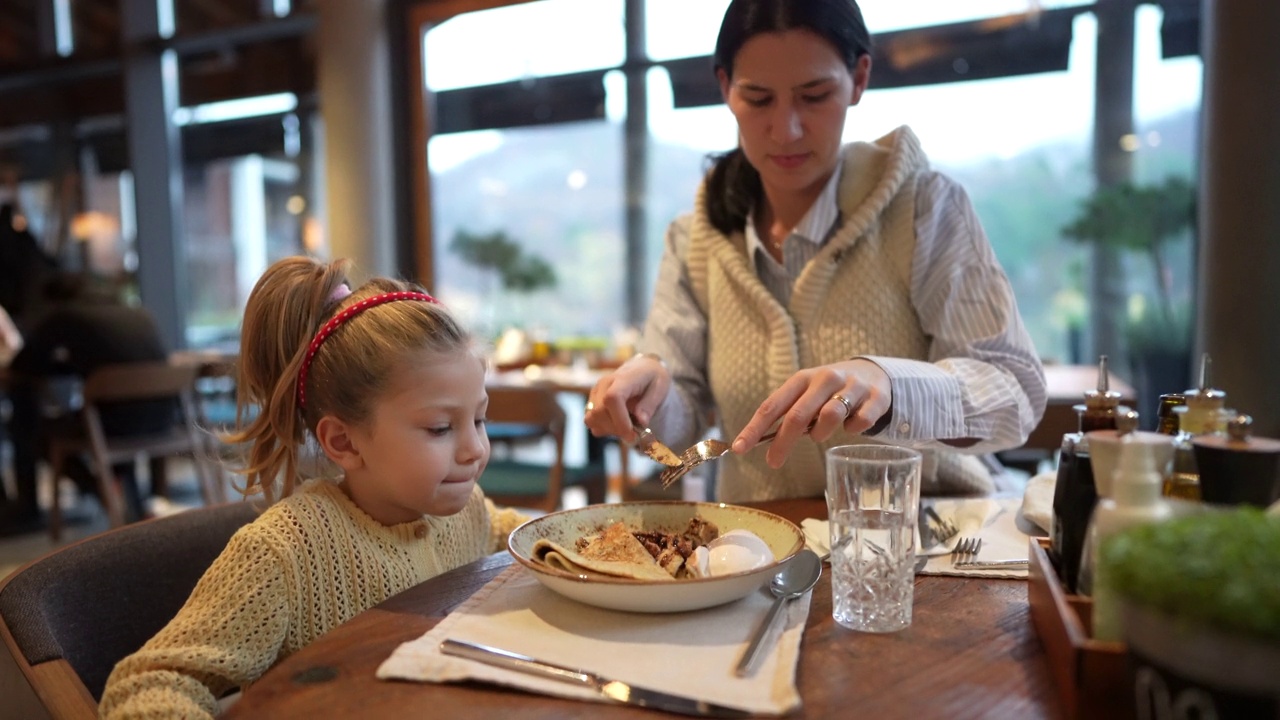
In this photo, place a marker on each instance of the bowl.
(784, 538)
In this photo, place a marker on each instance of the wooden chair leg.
(112, 499)
(597, 487)
(210, 487)
(158, 468)
(624, 469)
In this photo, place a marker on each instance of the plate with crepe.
(656, 557)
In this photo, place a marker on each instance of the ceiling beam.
(259, 70)
(44, 73)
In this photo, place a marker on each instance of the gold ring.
(848, 407)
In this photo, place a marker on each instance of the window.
(1020, 145)
(553, 192)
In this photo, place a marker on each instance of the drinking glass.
(873, 496)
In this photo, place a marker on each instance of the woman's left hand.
(852, 395)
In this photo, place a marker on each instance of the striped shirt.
(979, 350)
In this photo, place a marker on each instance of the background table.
(970, 652)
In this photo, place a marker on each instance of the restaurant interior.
(521, 160)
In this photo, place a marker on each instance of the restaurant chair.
(537, 486)
(68, 617)
(129, 382)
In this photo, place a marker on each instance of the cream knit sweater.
(309, 563)
(852, 299)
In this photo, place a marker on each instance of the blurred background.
(523, 159)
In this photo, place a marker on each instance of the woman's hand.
(853, 395)
(634, 390)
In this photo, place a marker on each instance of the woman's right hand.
(634, 390)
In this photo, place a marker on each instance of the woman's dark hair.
(733, 185)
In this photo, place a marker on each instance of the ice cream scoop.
(737, 551)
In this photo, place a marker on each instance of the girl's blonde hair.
(289, 304)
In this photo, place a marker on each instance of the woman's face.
(789, 93)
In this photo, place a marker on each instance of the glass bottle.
(1201, 415)
(1101, 405)
(1166, 418)
(1075, 494)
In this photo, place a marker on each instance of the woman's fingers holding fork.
(851, 395)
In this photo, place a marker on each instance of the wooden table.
(970, 652)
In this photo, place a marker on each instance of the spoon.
(796, 579)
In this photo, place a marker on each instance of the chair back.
(510, 482)
(84, 607)
(149, 382)
(139, 381)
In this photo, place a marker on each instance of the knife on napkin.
(612, 690)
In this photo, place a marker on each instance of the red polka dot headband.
(337, 320)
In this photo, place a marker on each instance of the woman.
(848, 287)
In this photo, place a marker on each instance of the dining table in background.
(970, 652)
(575, 381)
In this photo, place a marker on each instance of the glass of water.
(873, 495)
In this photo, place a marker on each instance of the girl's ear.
(339, 445)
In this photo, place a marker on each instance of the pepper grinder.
(1236, 469)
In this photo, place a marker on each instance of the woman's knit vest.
(853, 298)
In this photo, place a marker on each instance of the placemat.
(689, 653)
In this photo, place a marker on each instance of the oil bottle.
(1203, 414)
(1074, 493)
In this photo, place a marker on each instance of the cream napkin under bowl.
(687, 653)
(994, 520)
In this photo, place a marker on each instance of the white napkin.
(690, 653)
(994, 520)
(1037, 500)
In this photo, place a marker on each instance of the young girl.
(392, 389)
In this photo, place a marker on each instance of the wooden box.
(1091, 675)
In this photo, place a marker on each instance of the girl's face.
(425, 445)
(790, 92)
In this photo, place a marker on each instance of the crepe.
(615, 552)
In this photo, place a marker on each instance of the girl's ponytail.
(288, 304)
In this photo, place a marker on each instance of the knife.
(612, 690)
(649, 444)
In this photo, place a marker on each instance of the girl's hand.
(815, 393)
(635, 389)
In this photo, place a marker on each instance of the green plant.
(1166, 330)
(1144, 220)
(1220, 569)
(519, 271)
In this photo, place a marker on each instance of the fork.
(966, 556)
(705, 450)
(941, 529)
(965, 551)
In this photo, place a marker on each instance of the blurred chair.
(68, 617)
(537, 486)
(215, 393)
(120, 383)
